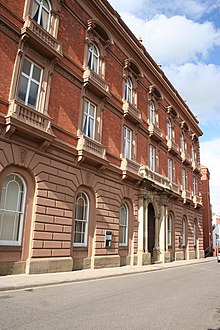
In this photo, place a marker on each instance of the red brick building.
(207, 211)
(99, 154)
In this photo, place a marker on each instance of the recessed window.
(152, 114)
(170, 170)
(152, 158)
(183, 179)
(30, 82)
(41, 13)
(127, 147)
(93, 58)
(81, 220)
(128, 90)
(169, 230)
(89, 119)
(184, 232)
(123, 225)
(169, 130)
(182, 143)
(12, 210)
(194, 186)
(193, 152)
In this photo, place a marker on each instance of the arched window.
(12, 207)
(169, 230)
(93, 58)
(184, 232)
(182, 142)
(123, 225)
(128, 90)
(81, 220)
(41, 13)
(169, 130)
(152, 113)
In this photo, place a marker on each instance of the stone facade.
(98, 141)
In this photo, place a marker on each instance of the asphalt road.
(180, 298)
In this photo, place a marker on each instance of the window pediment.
(98, 30)
(132, 67)
(155, 93)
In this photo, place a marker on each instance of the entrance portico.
(152, 224)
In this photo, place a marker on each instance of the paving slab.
(27, 281)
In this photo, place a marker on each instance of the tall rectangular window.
(194, 187)
(30, 82)
(183, 179)
(170, 170)
(127, 142)
(152, 158)
(89, 119)
(151, 113)
(169, 130)
(184, 232)
(169, 230)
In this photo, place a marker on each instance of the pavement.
(27, 281)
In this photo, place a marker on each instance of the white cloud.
(199, 85)
(194, 9)
(178, 40)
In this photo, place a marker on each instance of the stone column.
(162, 232)
(145, 225)
(140, 229)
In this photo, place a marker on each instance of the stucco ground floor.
(44, 227)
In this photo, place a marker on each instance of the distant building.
(99, 154)
(207, 211)
(216, 236)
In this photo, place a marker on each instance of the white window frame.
(193, 152)
(170, 169)
(152, 113)
(182, 143)
(183, 179)
(31, 80)
(19, 208)
(169, 230)
(123, 225)
(128, 92)
(41, 7)
(94, 58)
(88, 118)
(169, 130)
(84, 221)
(127, 143)
(194, 186)
(152, 158)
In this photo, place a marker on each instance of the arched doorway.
(151, 228)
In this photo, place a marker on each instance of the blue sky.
(184, 36)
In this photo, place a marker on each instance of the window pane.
(7, 226)
(92, 110)
(26, 67)
(36, 73)
(23, 88)
(12, 196)
(32, 99)
(46, 4)
(91, 128)
(35, 11)
(45, 19)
